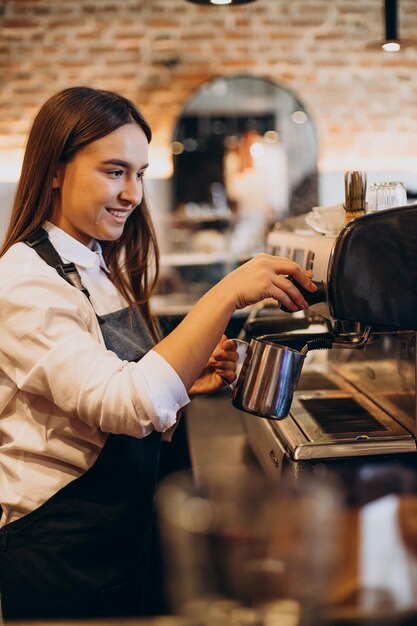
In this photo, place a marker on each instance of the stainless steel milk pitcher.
(269, 374)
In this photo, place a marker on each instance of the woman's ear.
(57, 179)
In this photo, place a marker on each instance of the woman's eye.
(140, 175)
(115, 173)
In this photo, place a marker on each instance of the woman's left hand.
(220, 368)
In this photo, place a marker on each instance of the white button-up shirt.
(61, 390)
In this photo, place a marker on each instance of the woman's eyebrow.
(122, 163)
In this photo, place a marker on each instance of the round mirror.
(244, 148)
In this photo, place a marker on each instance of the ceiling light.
(220, 2)
(392, 42)
(391, 46)
(391, 20)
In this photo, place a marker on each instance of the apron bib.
(83, 553)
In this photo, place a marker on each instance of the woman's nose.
(132, 192)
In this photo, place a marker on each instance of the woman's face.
(100, 187)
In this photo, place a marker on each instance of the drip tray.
(341, 415)
(328, 424)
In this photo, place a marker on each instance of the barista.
(87, 385)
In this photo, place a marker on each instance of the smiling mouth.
(118, 212)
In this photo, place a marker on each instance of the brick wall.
(158, 52)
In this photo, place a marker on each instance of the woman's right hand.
(188, 347)
(265, 277)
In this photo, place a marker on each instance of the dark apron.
(84, 552)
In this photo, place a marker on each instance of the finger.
(284, 300)
(223, 344)
(222, 355)
(230, 345)
(304, 278)
(222, 341)
(291, 292)
(227, 375)
(286, 266)
(224, 366)
(228, 356)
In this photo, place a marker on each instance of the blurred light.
(299, 117)
(196, 515)
(190, 144)
(160, 162)
(256, 150)
(271, 136)
(177, 147)
(391, 46)
(218, 127)
(221, 1)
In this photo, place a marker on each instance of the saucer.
(327, 220)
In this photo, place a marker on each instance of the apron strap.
(40, 242)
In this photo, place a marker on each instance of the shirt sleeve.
(52, 347)
(385, 562)
(164, 393)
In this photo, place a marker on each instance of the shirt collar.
(73, 251)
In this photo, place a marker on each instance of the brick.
(162, 23)
(72, 23)
(162, 51)
(10, 23)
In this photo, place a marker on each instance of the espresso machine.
(356, 400)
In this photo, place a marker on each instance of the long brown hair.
(67, 122)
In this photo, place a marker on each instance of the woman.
(86, 384)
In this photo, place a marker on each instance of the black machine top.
(373, 270)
